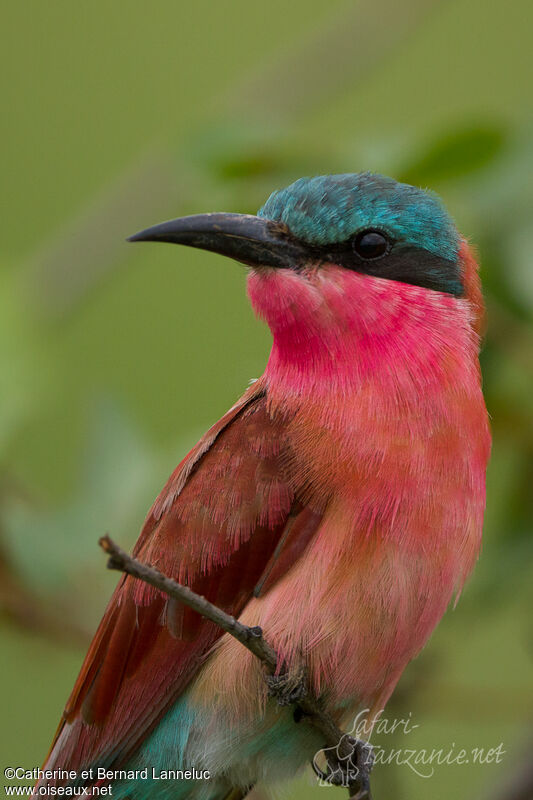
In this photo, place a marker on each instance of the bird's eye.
(371, 244)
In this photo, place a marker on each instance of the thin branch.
(251, 638)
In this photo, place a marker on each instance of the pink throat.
(334, 329)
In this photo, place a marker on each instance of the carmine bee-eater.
(338, 504)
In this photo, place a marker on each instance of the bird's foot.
(287, 688)
(349, 764)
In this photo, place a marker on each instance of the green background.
(115, 359)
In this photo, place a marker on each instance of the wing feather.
(227, 514)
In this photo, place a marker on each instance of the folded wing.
(228, 524)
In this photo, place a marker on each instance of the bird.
(338, 504)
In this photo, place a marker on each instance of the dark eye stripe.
(400, 262)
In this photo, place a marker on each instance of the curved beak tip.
(137, 237)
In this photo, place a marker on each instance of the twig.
(252, 638)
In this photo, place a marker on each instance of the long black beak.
(251, 240)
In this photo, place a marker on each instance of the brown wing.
(227, 523)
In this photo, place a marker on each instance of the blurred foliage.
(114, 360)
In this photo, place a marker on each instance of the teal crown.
(329, 209)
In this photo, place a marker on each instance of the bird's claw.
(349, 764)
(286, 688)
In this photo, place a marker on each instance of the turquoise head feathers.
(332, 208)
